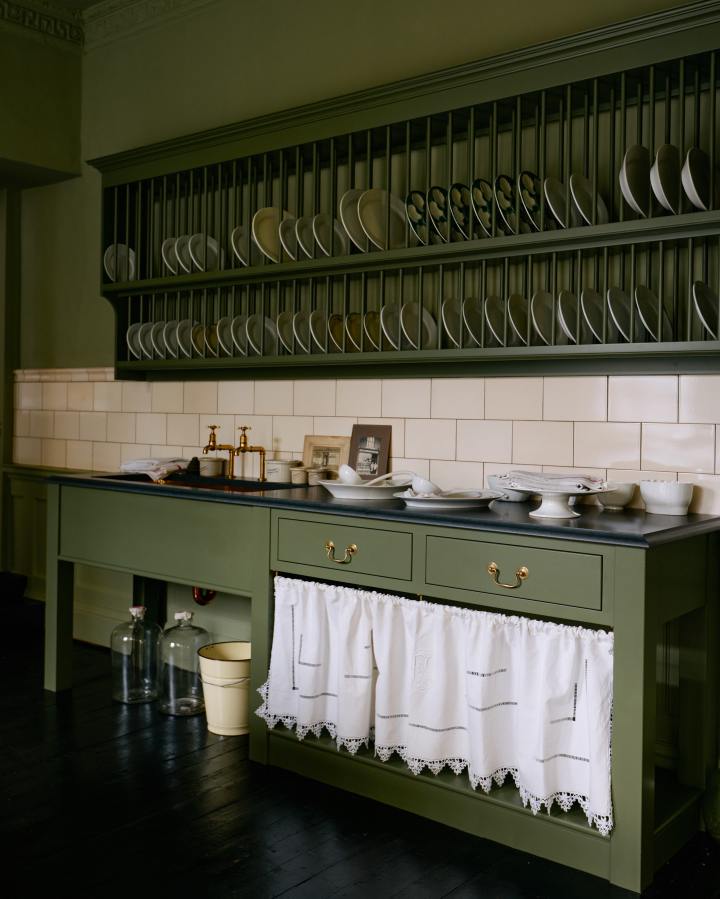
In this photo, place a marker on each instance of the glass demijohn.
(134, 653)
(180, 684)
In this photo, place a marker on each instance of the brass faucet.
(213, 445)
(243, 448)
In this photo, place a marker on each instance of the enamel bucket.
(225, 672)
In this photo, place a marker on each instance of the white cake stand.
(557, 504)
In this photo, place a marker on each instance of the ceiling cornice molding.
(113, 20)
(43, 19)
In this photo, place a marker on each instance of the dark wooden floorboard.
(105, 800)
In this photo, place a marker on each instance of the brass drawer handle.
(346, 559)
(521, 574)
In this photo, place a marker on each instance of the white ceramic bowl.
(666, 497)
(616, 497)
(499, 483)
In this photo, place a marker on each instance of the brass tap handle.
(520, 575)
(350, 551)
(243, 435)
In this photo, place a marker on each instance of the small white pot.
(666, 497)
(277, 471)
(212, 467)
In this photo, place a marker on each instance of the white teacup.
(666, 497)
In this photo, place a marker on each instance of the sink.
(224, 485)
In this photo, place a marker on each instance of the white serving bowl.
(666, 497)
(616, 497)
(499, 483)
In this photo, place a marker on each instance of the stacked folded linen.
(156, 469)
(548, 482)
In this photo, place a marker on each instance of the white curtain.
(438, 685)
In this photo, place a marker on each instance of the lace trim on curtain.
(604, 823)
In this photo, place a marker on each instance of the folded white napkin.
(536, 481)
(156, 469)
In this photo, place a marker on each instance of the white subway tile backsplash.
(706, 493)
(260, 433)
(121, 427)
(42, 424)
(457, 398)
(226, 432)
(430, 438)
(542, 442)
(649, 398)
(167, 396)
(107, 396)
(273, 397)
(184, 428)
(30, 395)
(700, 398)
(406, 398)
(93, 426)
(679, 447)
(79, 454)
(236, 397)
(314, 398)
(607, 444)
(397, 436)
(80, 396)
(151, 427)
(105, 456)
(136, 396)
(465, 475)
(22, 423)
(575, 399)
(514, 398)
(484, 441)
(200, 396)
(54, 395)
(418, 466)
(54, 453)
(130, 451)
(340, 427)
(27, 451)
(289, 432)
(358, 398)
(67, 425)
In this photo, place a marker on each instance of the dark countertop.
(628, 528)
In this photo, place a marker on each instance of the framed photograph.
(370, 450)
(325, 452)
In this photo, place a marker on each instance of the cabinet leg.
(59, 583)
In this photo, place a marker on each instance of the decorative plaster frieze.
(44, 19)
(112, 20)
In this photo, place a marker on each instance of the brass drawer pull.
(521, 574)
(346, 559)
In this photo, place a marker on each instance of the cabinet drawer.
(554, 576)
(380, 553)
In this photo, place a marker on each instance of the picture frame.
(370, 450)
(324, 451)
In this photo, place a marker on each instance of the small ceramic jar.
(298, 476)
(278, 471)
(315, 475)
(212, 467)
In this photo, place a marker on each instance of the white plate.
(167, 251)
(319, 330)
(592, 306)
(224, 333)
(362, 492)
(183, 335)
(568, 309)
(454, 500)
(555, 197)
(392, 327)
(635, 179)
(263, 344)
(288, 237)
(696, 178)
(494, 310)
(336, 331)
(197, 338)
(372, 209)
(706, 306)
(204, 252)
(170, 339)
(157, 341)
(212, 344)
(323, 226)
(131, 338)
(451, 314)
(182, 254)
(239, 335)
(348, 209)
(665, 177)
(542, 310)
(284, 323)
(518, 313)
(353, 329)
(240, 245)
(647, 306)
(119, 262)
(145, 340)
(619, 304)
(410, 317)
(301, 330)
(305, 236)
(473, 316)
(581, 190)
(265, 224)
(371, 327)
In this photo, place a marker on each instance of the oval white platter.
(362, 491)
(449, 500)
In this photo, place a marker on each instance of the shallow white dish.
(157, 340)
(305, 236)
(696, 177)
(145, 341)
(666, 497)
(518, 312)
(568, 316)
(240, 245)
(212, 344)
(288, 237)
(336, 330)
(353, 329)
(264, 344)
(581, 190)
(410, 318)
(197, 338)
(265, 225)
(706, 305)
(635, 179)
(204, 252)
(665, 177)
(319, 330)
(239, 335)
(542, 310)
(167, 251)
(182, 254)
(593, 306)
(449, 500)
(131, 338)
(392, 327)
(385, 491)
(451, 315)
(619, 305)
(284, 323)
(556, 198)
(301, 329)
(119, 262)
(169, 337)
(616, 497)
(372, 209)
(494, 309)
(348, 210)
(647, 306)
(323, 227)
(473, 316)
(371, 327)
(224, 334)
(183, 335)
(509, 494)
